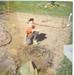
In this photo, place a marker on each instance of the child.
(31, 32)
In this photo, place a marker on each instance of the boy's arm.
(25, 34)
(35, 30)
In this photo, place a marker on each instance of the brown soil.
(55, 36)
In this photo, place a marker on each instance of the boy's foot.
(68, 25)
(35, 42)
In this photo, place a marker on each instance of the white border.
(73, 21)
(73, 42)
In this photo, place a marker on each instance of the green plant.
(65, 67)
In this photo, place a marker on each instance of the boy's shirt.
(29, 31)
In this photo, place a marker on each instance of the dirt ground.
(54, 37)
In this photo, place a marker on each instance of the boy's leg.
(28, 41)
(35, 34)
(33, 38)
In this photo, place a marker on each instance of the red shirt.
(29, 31)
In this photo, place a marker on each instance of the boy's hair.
(31, 19)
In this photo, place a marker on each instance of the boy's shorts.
(29, 40)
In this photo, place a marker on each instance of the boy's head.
(31, 21)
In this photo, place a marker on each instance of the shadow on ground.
(41, 36)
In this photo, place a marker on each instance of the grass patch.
(37, 7)
(65, 67)
(71, 37)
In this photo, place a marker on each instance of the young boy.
(31, 32)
